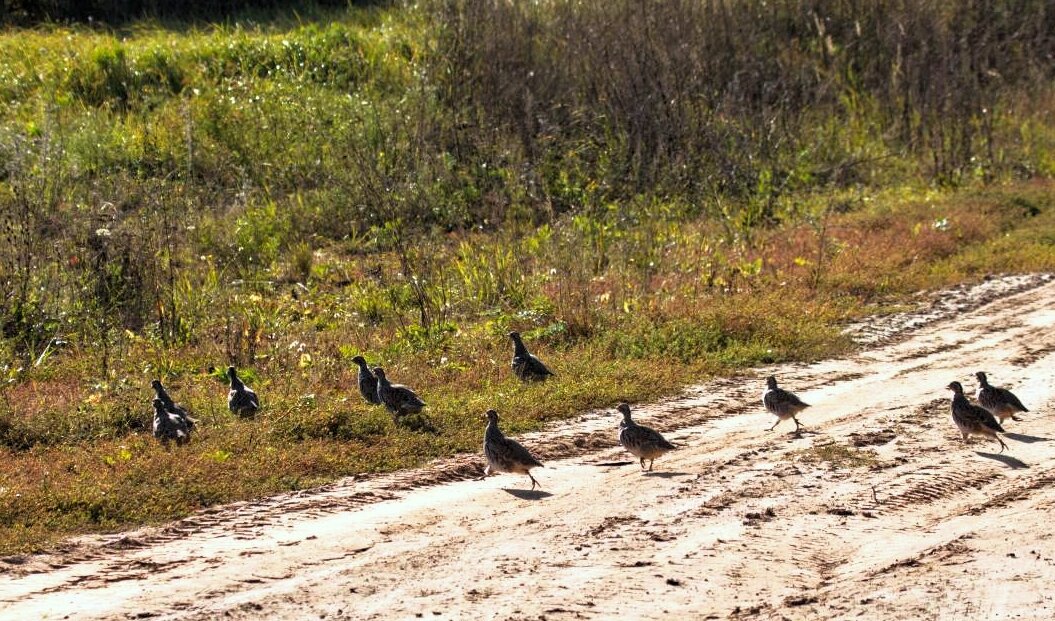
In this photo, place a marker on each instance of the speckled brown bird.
(972, 420)
(169, 426)
(367, 381)
(504, 454)
(1000, 402)
(526, 366)
(398, 399)
(642, 442)
(241, 399)
(782, 404)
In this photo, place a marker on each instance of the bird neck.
(163, 395)
(519, 348)
(984, 382)
(958, 397)
(493, 432)
(236, 384)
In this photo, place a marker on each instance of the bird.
(505, 455)
(170, 405)
(972, 420)
(397, 398)
(642, 442)
(241, 400)
(367, 381)
(527, 367)
(1000, 402)
(169, 426)
(782, 403)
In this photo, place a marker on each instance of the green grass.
(80, 457)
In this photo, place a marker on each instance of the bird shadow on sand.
(610, 463)
(795, 435)
(1013, 462)
(666, 475)
(1021, 437)
(527, 494)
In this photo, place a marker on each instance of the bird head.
(771, 382)
(515, 336)
(159, 405)
(624, 408)
(231, 373)
(156, 385)
(492, 416)
(956, 387)
(982, 379)
(379, 372)
(359, 360)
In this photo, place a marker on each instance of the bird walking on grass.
(972, 420)
(526, 366)
(397, 398)
(172, 406)
(642, 442)
(1000, 402)
(782, 404)
(506, 455)
(241, 400)
(367, 382)
(169, 426)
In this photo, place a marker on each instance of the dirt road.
(877, 511)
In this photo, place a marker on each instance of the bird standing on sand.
(398, 399)
(527, 367)
(169, 426)
(241, 400)
(972, 420)
(505, 455)
(367, 381)
(782, 403)
(171, 406)
(1000, 402)
(642, 442)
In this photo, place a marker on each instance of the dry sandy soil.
(878, 510)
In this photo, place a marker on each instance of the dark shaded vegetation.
(115, 12)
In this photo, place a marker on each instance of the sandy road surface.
(739, 523)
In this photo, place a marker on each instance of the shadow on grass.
(1014, 462)
(1021, 437)
(527, 494)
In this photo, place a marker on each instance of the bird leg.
(650, 462)
(487, 472)
(797, 424)
(1002, 445)
(642, 464)
(774, 425)
(533, 482)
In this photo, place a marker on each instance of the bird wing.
(519, 454)
(1010, 398)
(655, 438)
(778, 398)
(537, 366)
(406, 396)
(983, 416)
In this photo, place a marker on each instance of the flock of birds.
(173, 422)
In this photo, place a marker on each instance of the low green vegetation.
(286, 192)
